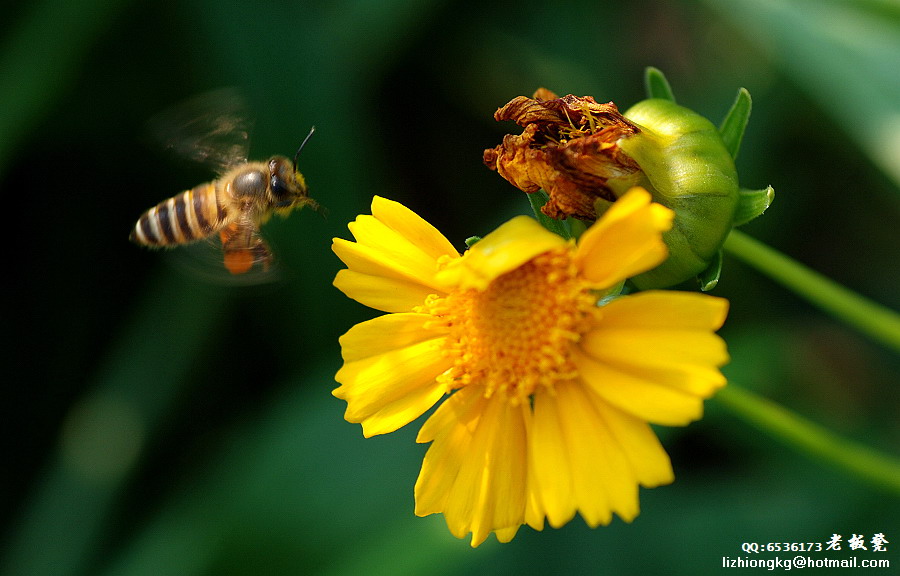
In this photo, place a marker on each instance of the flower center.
(516, 335)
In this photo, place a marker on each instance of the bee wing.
(207, 260)
(212, 128)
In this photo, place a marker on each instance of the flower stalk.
(874, 320)
(810, 438)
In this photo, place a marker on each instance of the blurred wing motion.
(212, 128)
(223, 259)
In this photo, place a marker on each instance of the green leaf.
(752, 203)
(558, 227)
(657, 85)
(735, 122)
(709, 278)
(472, 240)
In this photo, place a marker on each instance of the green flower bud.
(685, 165)
(585, 155)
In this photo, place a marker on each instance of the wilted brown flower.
(568, 147)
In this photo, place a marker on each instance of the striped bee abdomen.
(189, 216)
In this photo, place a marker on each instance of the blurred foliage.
(157, 424)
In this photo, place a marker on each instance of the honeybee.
(231, 208)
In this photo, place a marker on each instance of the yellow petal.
(625, 241)
(656, 348)
(413, 228)
(480, 463)
(667, 309)
(400, 412)
(506, 534)
(461, 408)
(453, 423)
(391, 257)
(386, 334)
(389, 390)
(582, 467)
(663, 337)
(550, 464)
(645, 399)
(394, 259)
(382, 293)
(371, 232)
(687, 360)
(489, 493)
(600, 464)
(505, 249)
(646, 456)
(534, 508)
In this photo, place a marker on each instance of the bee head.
(287, 184)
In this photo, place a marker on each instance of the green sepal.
(735, 122)
(657, 85)
(752, 203)
(576, 227)
(472, 240)
(611, 293)
(687, 168)
(710, 277)
(558, 227)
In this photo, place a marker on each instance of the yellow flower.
(550, 395)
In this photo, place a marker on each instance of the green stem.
(861, 461)
(875, 320)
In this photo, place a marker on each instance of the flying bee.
(232, 207)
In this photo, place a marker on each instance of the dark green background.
(155, 423)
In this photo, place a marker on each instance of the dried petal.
(569, 147)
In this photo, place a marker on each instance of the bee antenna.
(302, 144)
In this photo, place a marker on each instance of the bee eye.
(280, 190)
(250, 183)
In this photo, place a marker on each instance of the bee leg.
(243, 248)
